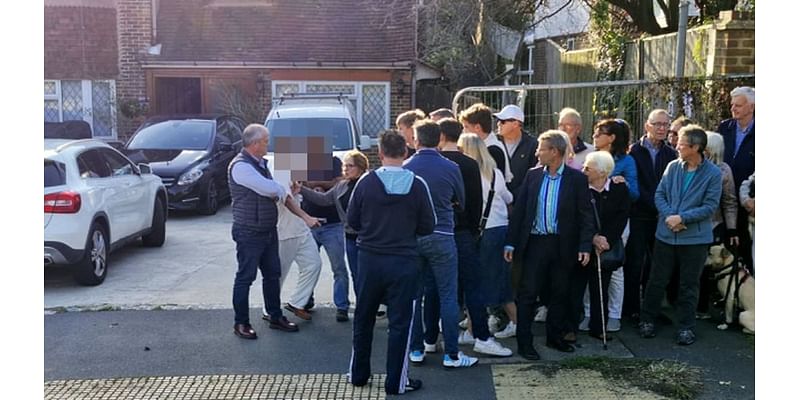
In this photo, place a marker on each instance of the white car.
(95, 201)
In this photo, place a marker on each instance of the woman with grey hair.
(612, 205)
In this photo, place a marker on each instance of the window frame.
(86, 99)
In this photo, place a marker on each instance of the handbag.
(614, 257)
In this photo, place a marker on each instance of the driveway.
(193, 270)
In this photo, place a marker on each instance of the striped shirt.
(546, 222)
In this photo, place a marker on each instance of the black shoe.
(647, 330)
(685, 337)
(529, 354)
(413, 384)
(284, 325)
(560, 346)
(341, 316)
(244, 331)
(599, 335)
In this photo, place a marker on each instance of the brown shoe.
(284, 325)
(244, 331)
(570, 337)
(298, 312)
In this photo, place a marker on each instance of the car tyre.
(158, 228)
(92, 270)
(211, 201)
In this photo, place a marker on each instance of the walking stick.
(602, 306)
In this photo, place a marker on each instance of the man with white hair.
(739, 133)
(569, 121)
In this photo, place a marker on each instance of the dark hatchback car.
(191, 154)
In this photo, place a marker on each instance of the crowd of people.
(474, 228)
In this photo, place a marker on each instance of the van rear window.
(54, 173)
(337, 129)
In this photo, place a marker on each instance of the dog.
(724, 266)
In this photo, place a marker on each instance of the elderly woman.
(723, 222)
(612, 203)
(355, 165)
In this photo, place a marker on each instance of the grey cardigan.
(696, 206)
(330, 198)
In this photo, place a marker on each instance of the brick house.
(188, 56)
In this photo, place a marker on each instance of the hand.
(508, 255)
(600, 243)
(618, 179)
(311, 222)
(750, 206)
(678, 228)
(735, 241)
(583, 258)
(673, 221)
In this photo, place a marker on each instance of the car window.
(336, 129)
(118, 164)
(174, 135)
(54, 173)
(92, 165)
(234, 131)
(223, 134)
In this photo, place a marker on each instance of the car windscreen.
(54, 173)
(174, 135)
(336, 129)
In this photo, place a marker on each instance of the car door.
(102, 195)
(134, 209)
(224, 151)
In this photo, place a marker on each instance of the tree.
(642, 12)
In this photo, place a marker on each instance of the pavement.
(193, 354)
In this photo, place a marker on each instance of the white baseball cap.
(511, 112)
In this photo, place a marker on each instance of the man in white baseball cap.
(510, 111)
(518, 144)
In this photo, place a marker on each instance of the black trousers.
(543, 267)
(745, 241)
(638, 263)
(395, 279)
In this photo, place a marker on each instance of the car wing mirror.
(366, 143)
(144, 169)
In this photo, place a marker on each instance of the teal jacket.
(696, 205)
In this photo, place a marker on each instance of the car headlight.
(190, 177)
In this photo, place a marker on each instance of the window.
(118, 164)
(54, 173)
(369, 99)
(92, 165)
(90, 101)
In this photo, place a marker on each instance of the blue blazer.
(575, 217)
(744, 164)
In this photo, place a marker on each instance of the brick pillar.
(732, 49)
(264, 93)
(134, 37)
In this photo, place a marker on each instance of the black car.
(191, 154)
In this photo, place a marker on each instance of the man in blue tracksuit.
(389, 208)
(686, 199)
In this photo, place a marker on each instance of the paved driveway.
(194, 269)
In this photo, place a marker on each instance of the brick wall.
(134, 33)
(734, 50)
(80, 42)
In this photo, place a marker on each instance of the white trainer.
(494, 323)
(416, 356)
(466, 338)
(464, 324)
(429, 348)
(541, 314)
(509, 331)
(491, 347)
(463, 361)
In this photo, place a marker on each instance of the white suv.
(96, 200)
(329, 115)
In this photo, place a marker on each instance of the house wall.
(134, 34)
(80, 42)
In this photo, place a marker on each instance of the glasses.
(503, 121)
(349, 165)
(599, 133)
(659, 124)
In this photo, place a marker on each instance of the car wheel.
(92, 269)
(158, 228)
(211, 202)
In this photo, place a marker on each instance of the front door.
(178, 96)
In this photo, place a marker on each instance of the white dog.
(724, 266)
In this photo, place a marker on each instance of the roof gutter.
(284, 65)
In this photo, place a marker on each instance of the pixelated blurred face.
(304, 158)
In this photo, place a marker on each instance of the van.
(311, 114)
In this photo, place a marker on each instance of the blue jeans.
(439, 286)
(256, 251)
(496, 272)
(473, 283)
(352, 260)
(331, 236)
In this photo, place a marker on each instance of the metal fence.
(705, 100)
